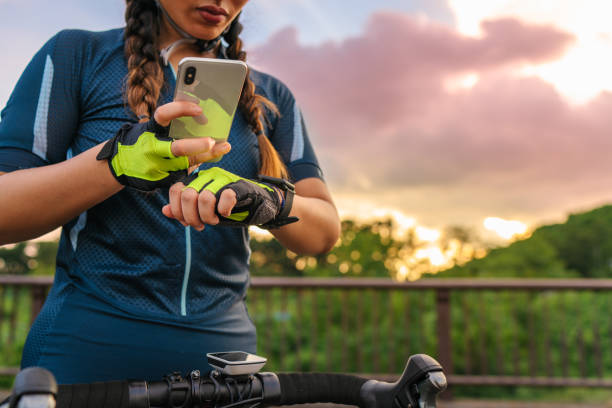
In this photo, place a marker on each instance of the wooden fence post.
(443, 333)
(38, 294)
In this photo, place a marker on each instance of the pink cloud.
(377, 107)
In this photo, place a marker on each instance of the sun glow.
(417, 249)
(584, 71)
(427, 234)
(506, 229)
(433, 254)
(363, 210)
(461, 83)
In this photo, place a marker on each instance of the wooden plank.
(443, 325)
(382, 283)
(298, 329)
(454, 284)
(499, 351)
(532, 361)
(467, 338)
(345, 328)
(360, 336)
(482, 341)
(283, 321)
(473, 403)
(375, 331)
(391, 346)
(328, 333)
(597, 348)
(492, 380)
(315, 335)
(564, 340)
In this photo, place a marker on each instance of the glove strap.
(283, 217)
(107, 151)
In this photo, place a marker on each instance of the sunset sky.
(440, 111)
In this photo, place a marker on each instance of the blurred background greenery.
(536, 334)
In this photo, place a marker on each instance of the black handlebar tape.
(303, 388)
(112, 394)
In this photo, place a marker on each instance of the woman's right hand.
(197, 150)
(142, 155)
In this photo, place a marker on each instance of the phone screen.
(215, 85)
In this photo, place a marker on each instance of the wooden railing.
(483, 331)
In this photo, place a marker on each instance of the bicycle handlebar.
(418, 387)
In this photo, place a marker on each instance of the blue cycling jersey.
(134, 264)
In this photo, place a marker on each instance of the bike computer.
(236, 362)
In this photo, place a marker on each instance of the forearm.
(317, 230)
(38, 200)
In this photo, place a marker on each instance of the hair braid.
(145, 76)
(252, 106)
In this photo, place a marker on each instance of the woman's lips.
(212, 14)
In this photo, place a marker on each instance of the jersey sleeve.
(290, 138)
(40, 118)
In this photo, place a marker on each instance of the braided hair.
(145, 77)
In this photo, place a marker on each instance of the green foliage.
(14, 260)
(584, 242)
(364, 250)
(28, 258)
(581, 247)
(360, 331)
(531, 258)
(15, 309)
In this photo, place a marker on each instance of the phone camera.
(190, 75)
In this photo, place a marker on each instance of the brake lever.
(34, 387)
(418, 386)
(428, 390)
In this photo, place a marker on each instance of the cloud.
(324, 20)
(383, 118)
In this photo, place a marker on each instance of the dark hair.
(145, 77)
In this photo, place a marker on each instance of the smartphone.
(213, 84)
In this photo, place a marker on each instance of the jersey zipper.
(186, 272)
(187, 249)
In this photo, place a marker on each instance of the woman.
(137, 294)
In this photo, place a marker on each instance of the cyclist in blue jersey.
(152, 266)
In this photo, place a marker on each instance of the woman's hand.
(216, 196)
(196, 209)
(142, 155)
(197, 150)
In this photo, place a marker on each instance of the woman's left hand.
(218, 197)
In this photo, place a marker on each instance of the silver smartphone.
(213, 84)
